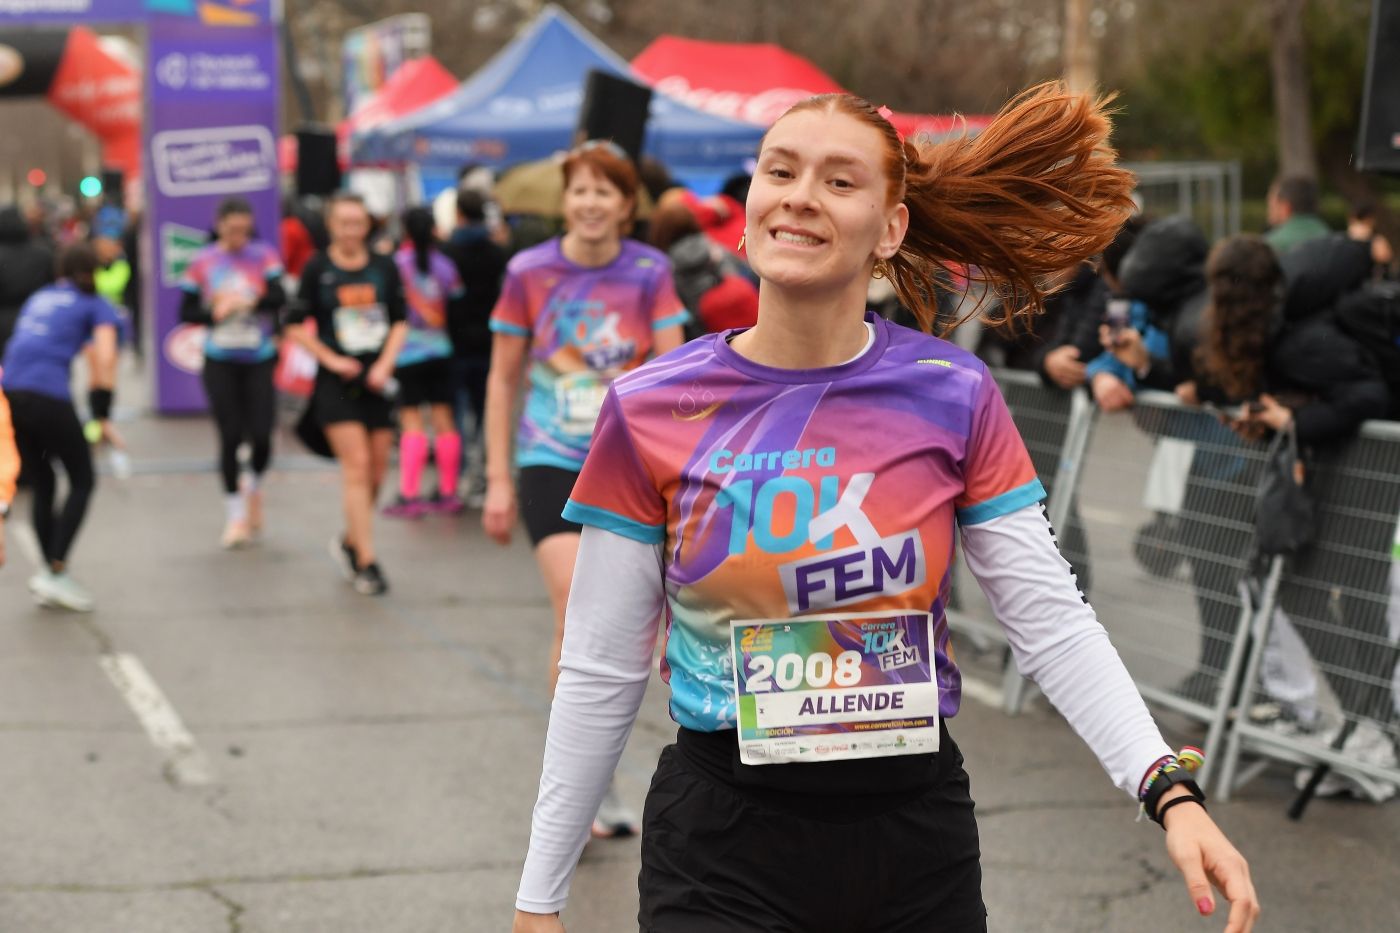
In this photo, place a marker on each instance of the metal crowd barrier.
(1155, 511)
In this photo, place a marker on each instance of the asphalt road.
(322, 761)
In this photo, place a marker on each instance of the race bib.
(824, 688)
(361, 329)
(238, 332)
(579, 400)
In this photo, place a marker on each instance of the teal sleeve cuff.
(680, 317)
(1010, 501)
(504, 327)
(611, 521)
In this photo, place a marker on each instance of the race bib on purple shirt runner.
(824, 688)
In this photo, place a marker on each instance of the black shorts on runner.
(543, 492)
(718, 857)
(425, 383)
(337, 400)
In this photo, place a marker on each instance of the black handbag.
(1285, 517)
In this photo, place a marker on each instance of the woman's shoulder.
(534, 257)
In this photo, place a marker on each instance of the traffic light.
(90, 186)
(37, 177)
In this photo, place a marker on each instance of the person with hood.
(26, 265)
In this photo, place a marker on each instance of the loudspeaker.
(1378, 148)
(112, 181)
(615, 108)
(318, 171)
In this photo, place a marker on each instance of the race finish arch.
(211, 95)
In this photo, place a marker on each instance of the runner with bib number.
(233, 287)
(578, 311)
(787, 497)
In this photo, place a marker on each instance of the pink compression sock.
(413, 457)
(447, 451)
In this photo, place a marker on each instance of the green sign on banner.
(178, 246)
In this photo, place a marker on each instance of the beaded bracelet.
(1190, 758)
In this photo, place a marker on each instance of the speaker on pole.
(318, 171)
(615, 108)
(1378, 149)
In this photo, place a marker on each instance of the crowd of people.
(700, 488)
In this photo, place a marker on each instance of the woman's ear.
(896, 225)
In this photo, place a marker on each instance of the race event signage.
(830, 687)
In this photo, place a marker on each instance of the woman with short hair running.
(233, 286)
(786, 497)
(582, 309)
(55, 325)
(432, 287)
(356, 299)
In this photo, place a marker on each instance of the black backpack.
(1371, 316)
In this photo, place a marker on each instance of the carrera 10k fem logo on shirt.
(778, 494)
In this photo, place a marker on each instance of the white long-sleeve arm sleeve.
(610, 629)
(1058, 641)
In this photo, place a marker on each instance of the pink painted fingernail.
(1205, 906)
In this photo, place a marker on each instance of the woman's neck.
(802, 331)
(352, 255)
(590, 253)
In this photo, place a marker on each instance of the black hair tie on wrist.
(1185, 798)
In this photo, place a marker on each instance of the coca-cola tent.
(757, 82)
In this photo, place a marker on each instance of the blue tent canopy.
(524, 105)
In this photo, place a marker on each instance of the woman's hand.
(1188, 394)
(1267, 411)
(1126, 346)
(536, 923)
(1205, 857)
(379, 375)
(498, 515)
(1111, 393)
(224, 306)
(346, 367)
(1064, 367)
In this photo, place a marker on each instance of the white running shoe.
(1368, 745)
(614, 820)
(59, 589)
(236, 535)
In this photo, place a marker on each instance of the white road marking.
(186, 760)
(981, 691)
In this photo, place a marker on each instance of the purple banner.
(212, 134)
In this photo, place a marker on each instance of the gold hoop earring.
(740, 247)
(882, 269)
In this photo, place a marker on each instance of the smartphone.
(1118, 316)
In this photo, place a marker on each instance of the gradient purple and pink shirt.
(781, 493)
(586, 325)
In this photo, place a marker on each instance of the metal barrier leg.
(1254, 637)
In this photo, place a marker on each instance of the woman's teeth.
(787, 237)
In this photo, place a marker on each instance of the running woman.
(233, 287)
(356, 300)
(54, 326)
(804, 478)
(431, 288)
(582, 309)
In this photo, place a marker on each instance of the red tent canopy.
(755, 82)
(416, 84)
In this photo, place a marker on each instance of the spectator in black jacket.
(481, 262)
(26, 266)
(1303, 372)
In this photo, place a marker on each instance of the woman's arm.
(508, 355)
(610, 629)
(383, 367)
(192, 310)
(1060, 645)
(667, 339)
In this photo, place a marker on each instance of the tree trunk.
(1081, 72)
(1289, 61)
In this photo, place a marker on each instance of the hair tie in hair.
(888, 114)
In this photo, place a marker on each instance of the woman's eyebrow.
(835, 158)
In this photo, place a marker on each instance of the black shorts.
(425, 383)
(721, 858)
(543, 492)
(337, 400)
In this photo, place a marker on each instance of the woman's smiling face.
(818, 213)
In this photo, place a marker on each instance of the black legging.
(47, 429)
(243, 401)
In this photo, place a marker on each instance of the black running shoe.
(344, 557)
(370, 581)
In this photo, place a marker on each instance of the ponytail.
(1037, 192)
(418, 227)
